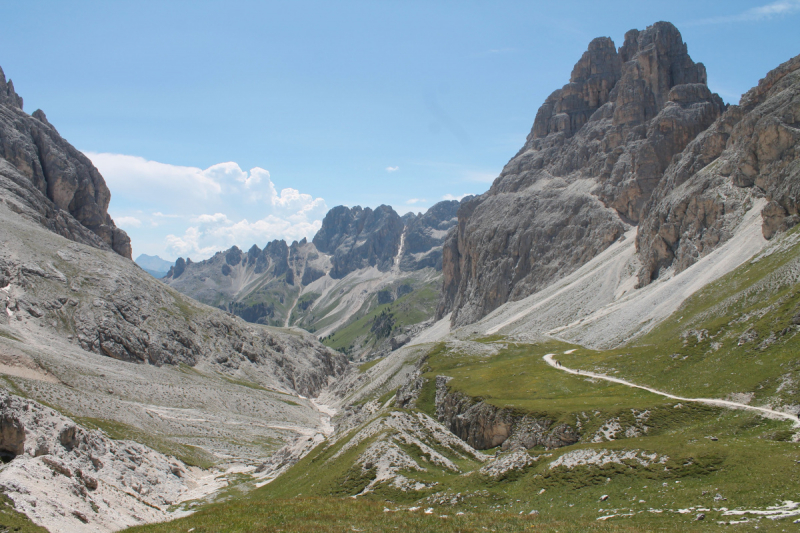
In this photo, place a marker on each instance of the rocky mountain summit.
(259, 285)
(49, 174)
(358, 238)
(614, 148)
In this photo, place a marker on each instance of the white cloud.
(189, 244)
(452, 197)
(135, 176)
(416, 200)
(756, 14)
(128, 222)
(267, 229)
(216, 218)
(215, 233)
(392, 169)
(201, 211)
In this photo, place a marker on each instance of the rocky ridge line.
(752, 151)
(69, 185)
(597, 150)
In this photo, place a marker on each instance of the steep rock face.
(358, 238)
(424, 235)
(752, 151)
(56, 169)
(484, 426)
(597, 150)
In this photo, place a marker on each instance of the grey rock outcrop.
(8, 96)
(69, 184)
(358, 238)
(425, 234)
(751, 151)
(485, 426)
(258, 285)
(90, 479)
(295, 284)
(597, 151)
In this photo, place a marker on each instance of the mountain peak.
(57, 178)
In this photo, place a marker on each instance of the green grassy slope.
(736, 335)
(412, 308)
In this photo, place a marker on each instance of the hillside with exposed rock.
(119, 354)
(597, 150)
(604, 340)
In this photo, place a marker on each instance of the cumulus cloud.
(217, 232)
(756, 14)
(416, 200)
(201, 211)
(452, 197)
(137, 177)
(216, 218)
(128, 222)
(392, 169)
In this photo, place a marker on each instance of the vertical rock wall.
(51, 165)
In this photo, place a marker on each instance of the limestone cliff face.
(66, 179)
(598, 149)
(752, 151)
(358, 238)
(424, 235)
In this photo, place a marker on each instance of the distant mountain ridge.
(359, 259)
(154, 265)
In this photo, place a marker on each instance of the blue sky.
(402, 103)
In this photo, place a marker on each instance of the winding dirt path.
(548, 358)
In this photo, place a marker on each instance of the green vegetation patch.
(734, 336)
(375, 322)
(369, 364)
(335, 515)
(518, 378)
